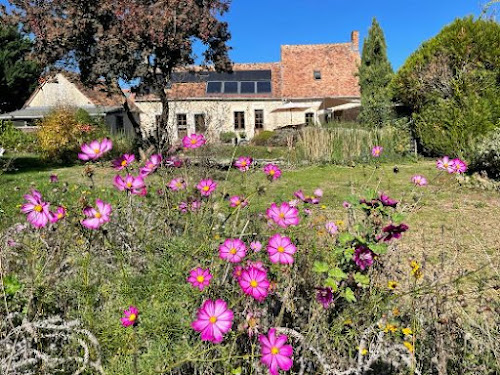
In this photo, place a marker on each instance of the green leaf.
(320, 267)
(332, 283)
(345, 237)
(363, 280)
(348, 253)
(11, 285)
(236, 371)
(398, 218)
(379, 249)
(348, 295)
(337, 274)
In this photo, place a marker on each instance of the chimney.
(355, 40)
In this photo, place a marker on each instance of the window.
(317, 75)
(214, 87)
(119, 126)
(230, 87)
(199, 123)
(181, 125)
(264, 87)
(247, 87)
(259, 119)
(309, 118)
(239, 120)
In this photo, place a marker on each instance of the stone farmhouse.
(64, 89)
(311, 83)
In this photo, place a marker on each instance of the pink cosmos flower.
(394, 231)
(199, 278)
(324, 296)
(174, 162)
(284, 215)
(237, 272)
(237, 201)
(243, 163)
(272, 171)
(58, 215)
(130, 318)
(309, 199)
(151, 165)
(193, 141)
(97, 217)
(445, 164)
(256, 246)
(318, 193)
(177, 184)
(363, 257)
(419, 180)
(36, 209)
(346, 204)
(134, 185)
(331, 227)
(195, 205)
(386, 201)
(275, 354)
(213, 320)
(206, 187)
(53, 178)
(377, 151)
(459, 166)
(95, 149)
(281, 249)
(233, 250)
(253, 281)
(123, 161)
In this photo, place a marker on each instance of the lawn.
(450, 217)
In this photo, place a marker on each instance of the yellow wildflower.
(407, 331)
(348, 322)
(323, 207)
(392, 285)
(390, 328)
(416, 270)
(408, 346)
(395, 311)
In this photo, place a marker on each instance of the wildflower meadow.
(168, 265)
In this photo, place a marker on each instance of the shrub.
(63, 130)
(227, 137)
(451, 85)
(487, 155)
(262, 138)
(15, 140)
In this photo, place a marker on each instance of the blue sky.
(259, 27)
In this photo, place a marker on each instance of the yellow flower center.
(206, 188)
(193, 141)
(213, 319)
(272, 172)
(59, 215)
(254, 284)
(124, 163)
(132, 317)
(281, 249)
(274, 350)
(178, 184)
(233, 251)
(129, 184)
(237, 203)
(38, 208)
(200, 279)
(98, 215)
(282, 215)
(243, 163)
(96, 150)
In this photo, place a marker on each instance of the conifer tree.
(375, 74)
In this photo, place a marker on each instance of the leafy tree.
(129, 40)
(452, 85)
(375, 74)
(18, 75)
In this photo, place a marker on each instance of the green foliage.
(451, 83)
(63, 131)
(15, 140)
(18, 75)
(262, 138)
(487, 155)
(227, 137)
(375, 74)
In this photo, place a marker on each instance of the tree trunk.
(162, 130)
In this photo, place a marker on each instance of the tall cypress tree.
(375, 74)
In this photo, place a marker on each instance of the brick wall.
(337, 64)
